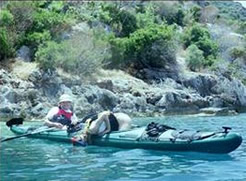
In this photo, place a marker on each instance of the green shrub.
(47, 54)
(195, 58)
(175, 16)
(6, 44)
(56, 6)
(208, 46)
(6, 18)
(159, 54)
(36, 22)
(128, 23)
(238, 52)
(23, 14)
(196, 13)
(146, 18)
(122, 21)
(81, 55)
(118, 50)
(171, 12)
(35, 39)
(145, 47)
(47, 20)
(200, 36)
(194, 34)
(242, 28)
(210, 60)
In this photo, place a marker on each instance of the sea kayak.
(169, 140)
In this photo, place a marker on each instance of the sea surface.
(26, 159)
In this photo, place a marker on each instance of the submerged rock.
(218, 111)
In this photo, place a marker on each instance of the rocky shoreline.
(188, 93)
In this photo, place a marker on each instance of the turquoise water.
(41, 160)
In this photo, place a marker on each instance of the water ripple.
(33, 159)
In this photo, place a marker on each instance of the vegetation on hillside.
(122, 35)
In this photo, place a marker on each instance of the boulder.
(24, 53)
(174, 102)
(233, 92)
(202, 83)
(126, 103)
(12, 96)
(105, 84)
(39, 110)
(108, 100)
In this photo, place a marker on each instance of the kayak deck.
(216, 143)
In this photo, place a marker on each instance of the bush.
(238, 52)
(118, 50)
(6, 43)
(23, 15)
(208, 46)
(47, 54)
(7, 37)
(35, 39)
(146, 18)
(122, 21)
(196, 13)
(171, 12)
(159, 54)
(81, 55)
(195, 58)
(194, 34)
(242, 28)
(44, 19)
(6, 18)
(200, 36)
(144, 47)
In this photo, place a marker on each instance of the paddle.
(18, 121)
(14, 121)
(28, 134)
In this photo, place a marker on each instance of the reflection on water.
(34, 159)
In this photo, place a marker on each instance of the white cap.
(65, 98)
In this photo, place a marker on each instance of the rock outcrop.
(192, 93)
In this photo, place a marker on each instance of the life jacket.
(63, 117)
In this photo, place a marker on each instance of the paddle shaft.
(27, 134)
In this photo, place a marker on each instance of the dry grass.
(111, 74)
(23, 69)
(66, 75)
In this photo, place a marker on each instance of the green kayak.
(169, 140)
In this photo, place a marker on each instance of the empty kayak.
(168, 140)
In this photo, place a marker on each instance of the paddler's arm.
(108, 127)
(74, 119)
(49, 123)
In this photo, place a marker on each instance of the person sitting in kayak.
(104, 123)
(62, 115)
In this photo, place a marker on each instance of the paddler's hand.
(58, 125)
